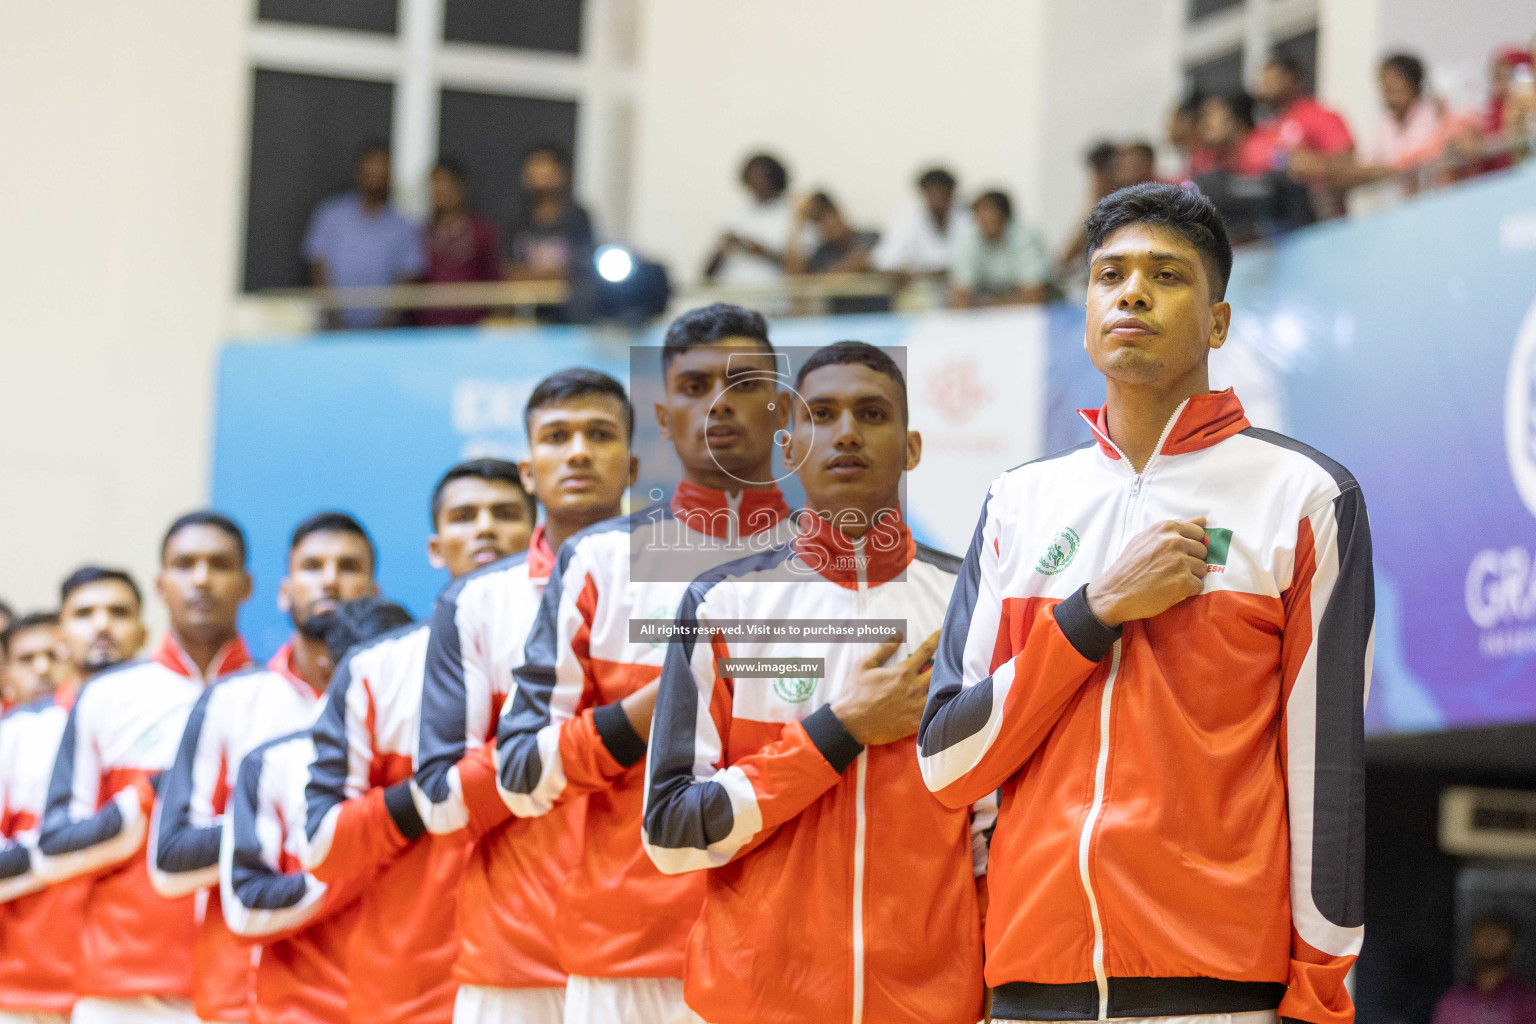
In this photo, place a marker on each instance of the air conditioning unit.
(1488, 822)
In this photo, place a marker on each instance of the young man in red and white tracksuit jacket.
(576, 724)
(38, 923)
(135, 947)
(578, 467)
(100, 619)
(797, 791)
(305, 927)
(360, 810)
(330, 559)
(1159, 648)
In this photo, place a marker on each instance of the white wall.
(855, 97)
(119, 205)
(1111, 71)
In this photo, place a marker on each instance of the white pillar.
(1349, 47)
(413, 146)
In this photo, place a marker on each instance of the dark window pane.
(491, 134)
(1303, 50)
(1203, 8)
(305, 133)
(534, 24)
(1218, 76)
(365, 15)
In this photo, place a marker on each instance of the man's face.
(1397, 92)
(1132, 166)
(990, 222)
(479, 522)
(1277, 87)
(373, 176)
(938, 199)
(38, 663)
(578, 461)
(543, 174)
(759, 182)
(102, 622)
(1490, 945)
(447, 191)
(326, 568)
(853, 439)
(1151, 318)
(1183, 130)
(202, 581)
(1218, 128)
(722, 407)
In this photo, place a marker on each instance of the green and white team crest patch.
(795, 691)
(1059, 552)
(1218, 545)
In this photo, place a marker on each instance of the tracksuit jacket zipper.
(861, 566)
(1101, 766)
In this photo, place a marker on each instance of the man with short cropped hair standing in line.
(1159, 648)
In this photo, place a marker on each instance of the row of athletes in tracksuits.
(487, 810)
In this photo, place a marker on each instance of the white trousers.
(16, 1017)
(477, 1004)
(133, 1010)
(627, 1001)
(1254, 1017)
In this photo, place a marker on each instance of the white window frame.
(420, 63)
(1254, 28)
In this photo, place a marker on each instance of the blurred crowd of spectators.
(1272, 160)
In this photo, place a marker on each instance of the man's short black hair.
(997, 198)
(1239, 104)
(452, 167)
(577, 382)
(332, 522)
(1192, 103)
(6, 611)
(1184, 211)
(21, 625)
(1143, 147)
(1290, 65)
(356, 622)
(773, 167)
(368, 149)
(936, 177)
(855, 353)
(482, 469)
(1410, 67)
(559, 154)
(88, 574)
(711, 325)
(1101, 155)
(206, 517)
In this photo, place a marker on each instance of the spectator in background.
(922, 240)
(1072, 263)
(752, 243)
(551, 238)
(1000, 261)
(1255, 199)
(1303, 137)
(840, 248)
(358, 240)
(461, 245)
(1411, 135)
(1494, 994)
(1134, 164)
(1184, 137)
(1517, 116)
(6, 616)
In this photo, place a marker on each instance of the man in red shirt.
(1304, 136)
